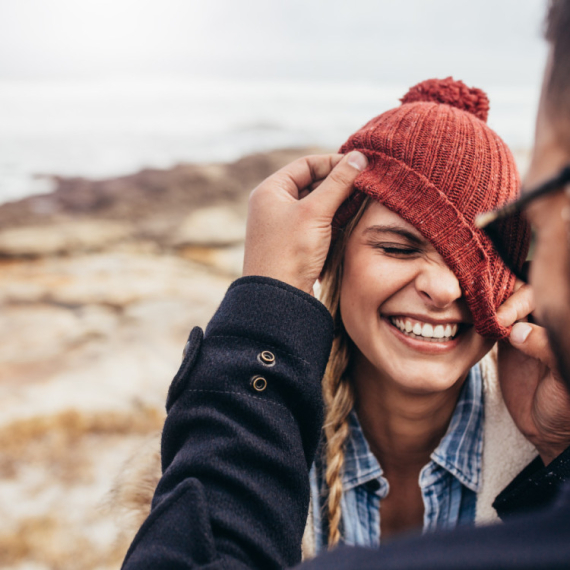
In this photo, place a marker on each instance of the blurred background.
(131, 133)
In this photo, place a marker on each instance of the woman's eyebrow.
(397, 230)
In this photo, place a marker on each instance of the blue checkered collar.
(459, 452)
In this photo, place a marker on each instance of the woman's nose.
(437, 284)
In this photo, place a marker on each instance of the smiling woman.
(414, 290)
(400, 302)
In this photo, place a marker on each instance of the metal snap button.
(258, 383)
(266, 358)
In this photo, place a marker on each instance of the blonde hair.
(338, 391)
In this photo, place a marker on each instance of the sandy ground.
(100, 284)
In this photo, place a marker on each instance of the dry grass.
(74, 424)
(55, 438)
(45, 541)
(64, 447)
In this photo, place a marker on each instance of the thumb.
(532, 341)
(338, 185)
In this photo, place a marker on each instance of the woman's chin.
(426, 383)
(422, 373)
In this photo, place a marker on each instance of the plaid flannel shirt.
(449, 482)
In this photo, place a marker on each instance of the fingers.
(518, 306)
(288, 238)
(532, 340)
(338, 185)
(300, 174)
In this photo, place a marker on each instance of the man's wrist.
(288, 278)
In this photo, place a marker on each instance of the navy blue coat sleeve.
(236, 449)
(536, 486)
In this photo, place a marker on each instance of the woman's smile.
(433, 337)
(439, 332)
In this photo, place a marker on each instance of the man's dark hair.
(557, 33)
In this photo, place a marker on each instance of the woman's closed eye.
(396, 249)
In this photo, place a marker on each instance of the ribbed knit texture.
(436, 163)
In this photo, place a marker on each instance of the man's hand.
(289, 226)
(532, 388)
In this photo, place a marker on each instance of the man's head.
(550, 269)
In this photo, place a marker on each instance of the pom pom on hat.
(450, 92)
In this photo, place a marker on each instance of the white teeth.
(438, 331)
(426, 330)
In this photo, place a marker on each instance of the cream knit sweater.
(505, 450)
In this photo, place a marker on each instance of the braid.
(339, 405)
(338, 391)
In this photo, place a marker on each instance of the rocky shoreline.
(100, 283)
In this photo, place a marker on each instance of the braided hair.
(338, 391)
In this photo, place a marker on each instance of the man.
(245, 409)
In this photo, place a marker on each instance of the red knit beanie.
(436, 163)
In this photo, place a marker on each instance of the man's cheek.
(556, 326)
(549, 274)
(541, 296)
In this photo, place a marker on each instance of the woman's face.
(403, 307)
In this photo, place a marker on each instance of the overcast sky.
(482, 42)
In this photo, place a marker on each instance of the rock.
(39, 241)
(215, 226)
(226, 260)
(151, 196)
(110, 279)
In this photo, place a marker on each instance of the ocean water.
(101, 129)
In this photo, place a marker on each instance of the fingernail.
(520, 332)
(357, 160)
